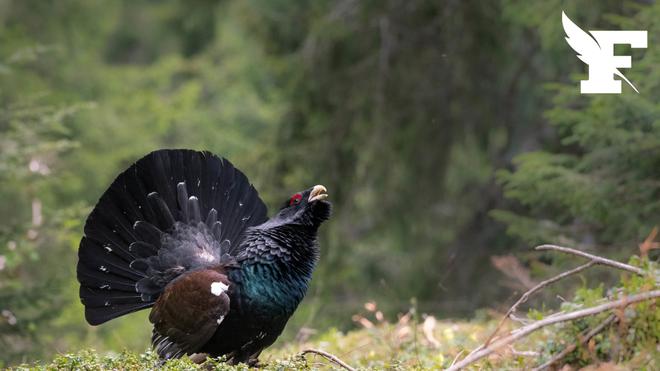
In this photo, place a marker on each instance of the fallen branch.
(458, 355)
(648, 243)
(526, 330)
(531, 291)
(583, 339)
(595, 258)
(330, 357)
(522, 321)
(523, 353)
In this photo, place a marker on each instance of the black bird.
(184, 232)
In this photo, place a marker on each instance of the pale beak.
(319, 192)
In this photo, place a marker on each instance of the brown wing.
(189, 311)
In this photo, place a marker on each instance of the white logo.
(598, 53)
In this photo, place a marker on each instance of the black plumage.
(184, 232)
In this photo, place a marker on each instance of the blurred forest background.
(451, 136)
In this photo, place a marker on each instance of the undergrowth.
(422, 342)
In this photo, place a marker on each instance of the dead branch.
(330, 357)
(458, 355)
(648, 243)
(583, 339)
(597, 259)
(523, 353)
(522, 321)
(570, 316)
(531, 291)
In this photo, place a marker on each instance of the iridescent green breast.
(271, 289)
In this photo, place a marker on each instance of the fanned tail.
(171, 211)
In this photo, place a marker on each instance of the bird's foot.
(254, 363)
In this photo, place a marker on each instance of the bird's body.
(184, 232)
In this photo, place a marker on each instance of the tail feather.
(162, 212)
(99, 297)
(107, 262)
(211, 218)
(147, 233)
(105, 313)
(141, 249)
(90, 278)
(123, 262)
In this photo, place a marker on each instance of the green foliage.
(596, 187)
(403, 109)
(406, 110)
(633, 338)
(600, 185)
(35, 134)
(389, 346)
(410, 343)
(91, 360)
(73, 113)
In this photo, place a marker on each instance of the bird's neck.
(293, 248)
(277, 265)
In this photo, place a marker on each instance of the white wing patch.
(219, 320)
(217, 288)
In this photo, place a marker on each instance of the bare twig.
(456, 358)
(522, 321)
(523, 353)
(533, 290)
(583, 339)
(597, 259)
(330, 357)
(526, 330)
(648, 243)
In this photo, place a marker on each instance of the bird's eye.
(295, 199)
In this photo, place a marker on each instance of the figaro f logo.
(598, 53)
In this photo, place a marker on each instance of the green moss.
(404, 344)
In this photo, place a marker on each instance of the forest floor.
(426, 344)
(617, 328)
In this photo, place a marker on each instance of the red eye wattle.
(295, 199)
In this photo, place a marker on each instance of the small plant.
(618, 325)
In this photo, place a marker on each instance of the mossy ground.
(385, 346)
(414, 342)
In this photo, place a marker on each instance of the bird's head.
(307, 208)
